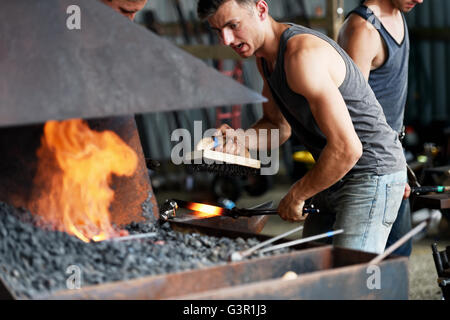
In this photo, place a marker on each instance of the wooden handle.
(208, 143)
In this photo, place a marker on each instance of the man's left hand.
(407, 192)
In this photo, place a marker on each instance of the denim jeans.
(364, 205)
(401, 226)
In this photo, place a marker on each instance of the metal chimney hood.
(109, 67)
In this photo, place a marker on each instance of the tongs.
(170, 207)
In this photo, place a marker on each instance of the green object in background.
(422, 159)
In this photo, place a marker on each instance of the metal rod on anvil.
(169, 208)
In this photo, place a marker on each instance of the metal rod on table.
(400, 242)
(308, 239)
(238, 255)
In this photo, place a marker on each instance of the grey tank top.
(382, 151)
(389, 82)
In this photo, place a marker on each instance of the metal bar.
(238, 255)
(401, 241)
(309, 239)
(135, 237)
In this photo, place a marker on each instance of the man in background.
(375, 36)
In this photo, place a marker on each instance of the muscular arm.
(362, 43)
(343, 148)
(272, 119)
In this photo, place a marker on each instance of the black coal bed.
(35, 260)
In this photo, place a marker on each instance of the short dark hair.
(206, 8)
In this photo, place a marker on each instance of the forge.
(103, 74)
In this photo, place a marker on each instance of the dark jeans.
(401, 226)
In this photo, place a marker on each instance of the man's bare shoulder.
(305, 55)
(356, 27)
(305, 48)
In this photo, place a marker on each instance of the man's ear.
(263, 9)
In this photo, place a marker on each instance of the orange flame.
(205, 210)
(76, 195)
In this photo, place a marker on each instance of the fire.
(205, 210)
(75, 168)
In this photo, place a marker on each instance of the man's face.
(238, 26)
(406, 5)
(125, 7)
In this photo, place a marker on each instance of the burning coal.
(71, 187)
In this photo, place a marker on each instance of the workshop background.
(427, 143)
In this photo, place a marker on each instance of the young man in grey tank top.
(317, 92)
(375, 36)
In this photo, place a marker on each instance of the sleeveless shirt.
(389, 82)
(382, 151)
